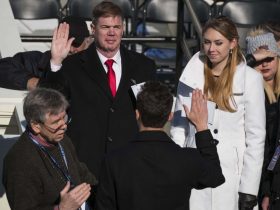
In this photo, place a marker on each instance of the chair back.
(34, 9)
(247, 14)
(251, 13)
(166, 11)
(83, 8)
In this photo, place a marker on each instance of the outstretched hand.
(198, 114)
(60, 44)
(261, 54)
(73, 199)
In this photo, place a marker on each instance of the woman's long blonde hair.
(272, 93)
(219, 90)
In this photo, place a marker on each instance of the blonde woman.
(261, 42)
(238, 121)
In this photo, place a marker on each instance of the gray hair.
(42, 101)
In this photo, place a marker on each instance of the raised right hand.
(261, 54)
(73, 199)
(198, 114)
(60, 44)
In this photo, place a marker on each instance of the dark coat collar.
(94, 68)
(153, 136)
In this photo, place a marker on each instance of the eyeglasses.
(66, 120)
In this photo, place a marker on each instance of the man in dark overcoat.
(152, 172)
(98, 83)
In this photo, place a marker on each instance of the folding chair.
(159, 20)
(34, 9)
(36, 21)
(163, 14)
(83, 9)
(248, 13)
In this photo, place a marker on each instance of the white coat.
(241, 135)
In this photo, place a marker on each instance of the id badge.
(274, 159)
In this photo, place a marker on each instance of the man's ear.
(170, 116)
(124, 26)
(36, 127)
(137, 114)
(92, 26)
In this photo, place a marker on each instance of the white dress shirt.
(117, 66)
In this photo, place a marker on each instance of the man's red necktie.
(111, 76)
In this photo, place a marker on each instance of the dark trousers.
(274, 202)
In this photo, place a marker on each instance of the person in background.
(152, 172)
(273, 27)
(262, 53)
(25, 70)
(98, 83)
(259, 39)
(41, 171)
(238, 120)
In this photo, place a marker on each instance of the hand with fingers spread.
(198, 113)
(60, 44)
(73, 199)
(262, 53)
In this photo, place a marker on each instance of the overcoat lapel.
(92, 65)
(125, 81)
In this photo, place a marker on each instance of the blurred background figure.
(273, 27)
(25, 70)
(263, 47)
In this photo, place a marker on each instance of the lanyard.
(53, 160)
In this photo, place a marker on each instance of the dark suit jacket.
(17, 70)
(271, 179)
(100, 123)
(32, 181)
(272, 126)
(153, 173)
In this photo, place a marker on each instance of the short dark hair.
(154, 103)
(106, 9)
(42, 101)
(77, 29)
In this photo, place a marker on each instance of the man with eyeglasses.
(42, 171)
